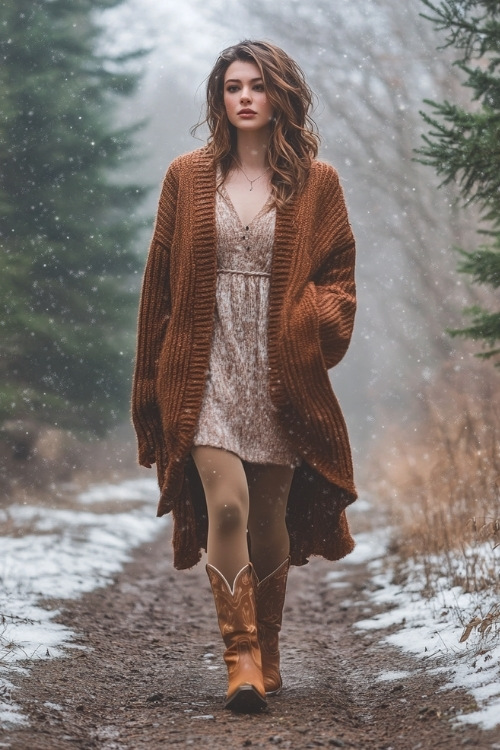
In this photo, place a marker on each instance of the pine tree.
(464, 145)
(68, 225)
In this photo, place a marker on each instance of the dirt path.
(151, 676)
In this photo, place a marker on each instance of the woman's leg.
(269, 546)
(231, 576)
(226, 492)
(268, 487)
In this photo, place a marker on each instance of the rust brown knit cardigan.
(311, 315)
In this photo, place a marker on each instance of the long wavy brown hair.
(294, 140)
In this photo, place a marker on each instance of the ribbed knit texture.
(311, 315)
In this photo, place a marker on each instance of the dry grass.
(441, 480)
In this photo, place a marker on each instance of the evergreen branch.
(467, 152)
(464, 146)
(483, 264)
(476, 35)
(485, 326)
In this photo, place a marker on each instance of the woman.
(248, 297)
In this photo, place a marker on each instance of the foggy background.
(370, 65)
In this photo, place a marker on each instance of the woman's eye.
(232, 89)
(259, 87)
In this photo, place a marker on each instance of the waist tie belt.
(243, 273)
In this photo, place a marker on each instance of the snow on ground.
(61, 553)
(69, 551)
(430, 627)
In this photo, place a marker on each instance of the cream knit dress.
(237, 413)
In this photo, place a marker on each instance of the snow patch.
(392, 676)
(129, 490)
(67, 553)
(10, 712)
(369, 546)
(433, 626)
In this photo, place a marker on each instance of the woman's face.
(245, 99)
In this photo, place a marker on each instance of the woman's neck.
(251, 149)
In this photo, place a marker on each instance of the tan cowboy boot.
(270, 597)
(236, 613)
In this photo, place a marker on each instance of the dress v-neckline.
(230, 203)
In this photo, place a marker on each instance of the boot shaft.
(236, 607)
(237, 617)
(270, 598)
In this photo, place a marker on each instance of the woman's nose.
(245, 95)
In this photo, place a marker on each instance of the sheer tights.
(241, 498)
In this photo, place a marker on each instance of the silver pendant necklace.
(255, 179)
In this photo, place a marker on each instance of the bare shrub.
(441, 479)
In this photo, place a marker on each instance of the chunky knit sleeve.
(334, 281)
(154, 313)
